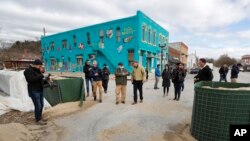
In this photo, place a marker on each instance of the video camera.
(48, 83)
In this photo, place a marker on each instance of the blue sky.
(209, 27)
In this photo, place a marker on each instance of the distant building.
(124, 40)
(173, 56)
(182, 49)
(245, 59)
(192, 60)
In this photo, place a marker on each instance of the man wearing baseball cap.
(34, 77)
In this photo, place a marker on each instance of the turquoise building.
(124, 40)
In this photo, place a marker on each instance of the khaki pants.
(234, 80)
(99, 85)
(120, 89)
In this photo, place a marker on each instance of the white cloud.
(201, 24)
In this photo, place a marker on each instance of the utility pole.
(162, 46)
(44, 31)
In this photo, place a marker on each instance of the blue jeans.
(177, 90)
(37, 98)
(87, 83)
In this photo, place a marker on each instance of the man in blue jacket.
(157, 76)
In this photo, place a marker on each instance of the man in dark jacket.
(234, 73)
(121, 83)
(87, 68)
(105, 77)
(34, 77)
(223, 73)
(96, 74)
(178, 78)
(205, 73)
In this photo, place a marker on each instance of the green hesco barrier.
(215, 109)
(69, 89)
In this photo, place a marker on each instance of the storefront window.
(79, 60)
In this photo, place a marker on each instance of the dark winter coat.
(121, 76)
(34, 78)
(235, 71)
(86, 69)
(105, 73)
(166, 76)
(97, 77)
(178, 76)
(223, 71)
(204, 74)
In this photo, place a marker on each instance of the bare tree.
(225, 59)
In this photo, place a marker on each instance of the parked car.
(194, 70)
(246, 68)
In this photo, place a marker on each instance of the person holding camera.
(34, 77)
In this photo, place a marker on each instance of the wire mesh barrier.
(67, 90)
(217, 106)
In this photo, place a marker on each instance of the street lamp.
(162, 46)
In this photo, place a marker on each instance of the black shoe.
(100, 101)
(105, 92)
(94, 98)
(117, 103)
(174, 99)
(123, 102)
(40, 122)
(134, 103)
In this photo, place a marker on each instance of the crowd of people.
(97, 80)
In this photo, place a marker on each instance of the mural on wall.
(119, 49)
(127, 39)
(81, 46)
(128, 30)
(101, 45)
(109, 33)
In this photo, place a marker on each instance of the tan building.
(182, 49)
(245, 59)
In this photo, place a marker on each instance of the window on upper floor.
(74, 40)
(88, 38)
(130, 57)
(118, 34)
(144, 33)
(149, 36)
(52, 46)
(160, 38)
(64, 43)
(101, 35)
(154, 37)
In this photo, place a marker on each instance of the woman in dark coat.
(166, 76)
